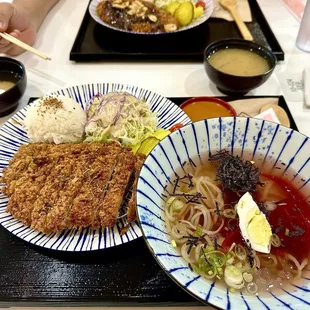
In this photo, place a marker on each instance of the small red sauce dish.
(200, 108)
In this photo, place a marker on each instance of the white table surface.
(59, 30)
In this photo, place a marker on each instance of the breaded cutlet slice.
(109, 209)
(103, 168)
(21, 171)
(30, 149)
(94, 183)
(131, 211)
(65, 183)
(32, 156)
(26, 160)
(58, 217)
(50, 192)
(26, 190)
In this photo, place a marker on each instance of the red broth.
(290, 220)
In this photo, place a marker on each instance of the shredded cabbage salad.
(119, 116)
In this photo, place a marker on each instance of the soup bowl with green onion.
(224, 207)
(238, 66)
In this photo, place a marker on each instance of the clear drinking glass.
(303, 38)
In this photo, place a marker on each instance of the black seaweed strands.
(190, 198)
(235, 174)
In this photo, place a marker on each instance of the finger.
(13, 49)
(6, 49)
(6, 13)
(4, 43)
(16, 34)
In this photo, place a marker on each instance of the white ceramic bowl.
(265, 142)
(198, 21)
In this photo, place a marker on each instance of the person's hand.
(16, 21)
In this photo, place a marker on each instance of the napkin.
(243, 9)
(251, 107)
(269, 115)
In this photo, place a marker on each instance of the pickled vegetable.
(185, 13)
(198, 11)
(172, 7)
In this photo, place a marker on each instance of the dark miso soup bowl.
(231, 84)
(14, 71)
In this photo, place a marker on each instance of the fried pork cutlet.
(116, 190)
(56, 187)
(91, 195)
(28, 185)
(131, 211)
(58, 217)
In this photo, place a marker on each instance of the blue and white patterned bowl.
(198, 21)
(12, 136)
(280, 149)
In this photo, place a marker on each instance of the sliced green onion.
(206, 267)
(248, 277)
(173, 243)
(230, 213)
(216, 258)
(196, 269)
(232, 290)
(177, 205)
(233, 277)
(209, 249)
(275, 240)
(198, 231)
(230, 261)
(169, 201)
(240, 252)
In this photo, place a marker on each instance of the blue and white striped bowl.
(12, 136)
(268, 143)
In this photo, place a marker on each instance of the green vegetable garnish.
(198, 231)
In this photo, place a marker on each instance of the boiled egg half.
(255, 228)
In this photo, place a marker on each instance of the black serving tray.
(126, 275)
(95, 42)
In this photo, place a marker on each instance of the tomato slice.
(201, 3)
(176, 127)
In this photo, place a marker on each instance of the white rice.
(65, 124)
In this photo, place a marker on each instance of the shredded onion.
(270, 205)
(230, 213)
(240, 252)
(248, 277)
(275, 240)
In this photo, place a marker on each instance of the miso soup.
(7, 81)
(239, 62)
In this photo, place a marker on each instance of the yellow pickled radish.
(185, 13)
(146, 146)
(198, 12)
(172, 7)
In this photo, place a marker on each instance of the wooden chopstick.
(23, 45)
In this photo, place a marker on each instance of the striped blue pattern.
(12, 136)
(281, 151)
(198, 21)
